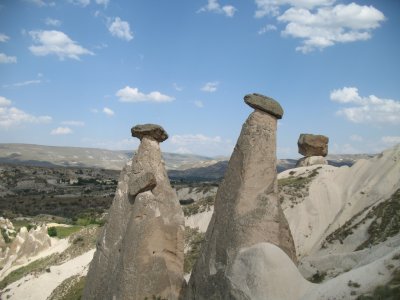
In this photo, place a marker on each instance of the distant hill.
(47, 156)
(217, 170)
(179, 166)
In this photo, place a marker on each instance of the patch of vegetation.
(88, 219)
(18, 224)
(390, 291)
(5, 235)
(52, 231)
(347, 229)
(64, 232)
(396, 256)
(200, 206)
(353, 284)
(296, 188)
(300, 181)
(386, 221)
(318, 277)
(81, 242)
(193, 240)
(70, 289)
(30, 226)
(37, 266)
(294, 182)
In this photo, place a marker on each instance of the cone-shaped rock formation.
(247, 209)
(140, 250)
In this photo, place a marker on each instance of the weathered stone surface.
(264, 103)
(151, 130)
(140, 250)
(311, 161)
(271, 272)
(313, 145)
(247, 211)
(24, 246)
(140, 184)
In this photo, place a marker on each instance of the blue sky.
(83, 72)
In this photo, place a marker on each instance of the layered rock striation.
(247, 209)
(140, 250)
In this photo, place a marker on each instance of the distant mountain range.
(47, 156)
(179, 166)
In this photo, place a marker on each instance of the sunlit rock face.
(247, 209)
(140, 250)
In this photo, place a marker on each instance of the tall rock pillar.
(140, 250)
(247, 209)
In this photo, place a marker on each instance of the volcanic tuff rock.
(311, 161)
(149, 130)
(140, 250)
(265, 104)
(313, 145)
(247, 210)
(25, 245)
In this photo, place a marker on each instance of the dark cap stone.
(264, 103)
(152, 130)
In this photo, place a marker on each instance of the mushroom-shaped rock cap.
(152, 130)
(265, 104)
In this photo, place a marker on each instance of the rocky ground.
(28, 191)
(344, 221)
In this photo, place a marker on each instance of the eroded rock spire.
(140, 250)
(247, 209)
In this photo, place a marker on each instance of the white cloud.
(109, 112)
(345, 149)
(391, 140)
(57, 43)
(42, 2)
(52, 22)
(210, 87)
(356, 138)
(187, 139)
(199, 103)
(5, 59)
(183, 150)
(128, 94)
(61, 131)
(103, 2)
(267, 28)
(4, 101)
(73, 123)
(101, 46)
(3, 38)
(24, 83)
(124, 144)
(330, 25)
(215, 7)
(271, 7)
(346, 95)
(121, 29)
(12, 116)
(320, 23)
(200, 144)
(177, 87)
(82, 3)
(369, 109)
